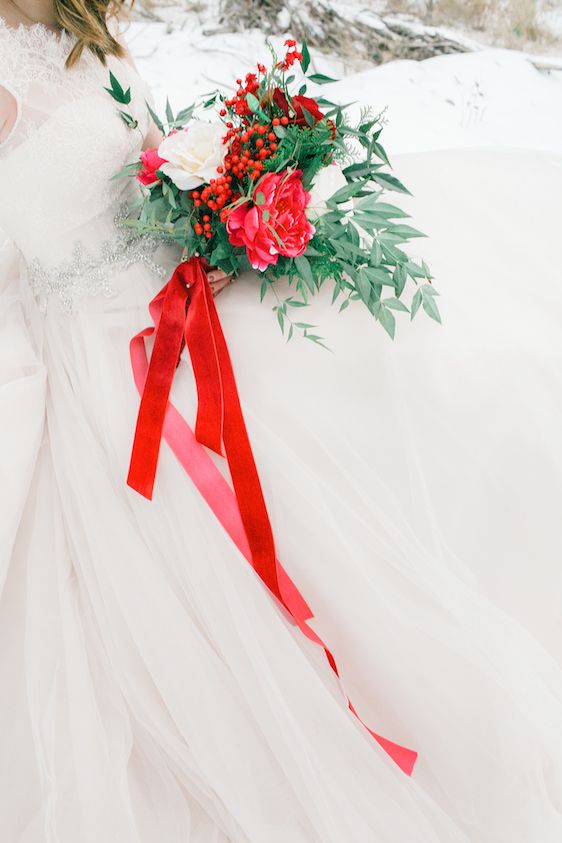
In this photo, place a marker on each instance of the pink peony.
(151, 162)
(276, 223)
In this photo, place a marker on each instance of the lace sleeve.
(11, 92)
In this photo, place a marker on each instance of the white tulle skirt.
(152, 692)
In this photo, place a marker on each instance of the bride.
(151, 690)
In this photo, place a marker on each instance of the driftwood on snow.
(362, 34)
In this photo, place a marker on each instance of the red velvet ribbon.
(185, 310)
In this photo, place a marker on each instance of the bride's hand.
(218, 280)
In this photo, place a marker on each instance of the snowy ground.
(487, 98)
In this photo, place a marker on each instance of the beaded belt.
(85, 274)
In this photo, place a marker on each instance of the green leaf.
(263, 289)
(380, 153)
(392, 254)
(414, 271)
(308, 116)
(305, 64)
(259, 198)
(363, 286)
(184, 116)
(168, 192)
(367, 126)
(220, 252)
(379, 276)
(406, 232)
(128, 170)
(390, 182)
(316, 339)
(361, 169)
(390, 211)
(169, 112)
(253, 103)
(395, 304)
(347, 250)
(376, 254)
(416, 302)
(302, 265)
(128, 119)
(115, 85)
(281, 320)
(388, 321)
(117, 92)
(347, 192)
(321, 78)
(157, 122)
(400, 277)
(428, 302)
(370, 221)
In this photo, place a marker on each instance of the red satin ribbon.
(185, 310)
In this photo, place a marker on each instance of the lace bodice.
(68, 141)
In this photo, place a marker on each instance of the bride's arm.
(8, 113)
(154, 135)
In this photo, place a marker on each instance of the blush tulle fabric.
(151, 691)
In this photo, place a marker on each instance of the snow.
(489, 98)
(493, 98)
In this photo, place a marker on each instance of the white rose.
(326, 182)
(193, 154)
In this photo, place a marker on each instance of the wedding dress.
(151, 689)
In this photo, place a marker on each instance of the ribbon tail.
(210, 358)
(170, 304)
(199, 338)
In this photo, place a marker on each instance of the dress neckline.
(34, 28)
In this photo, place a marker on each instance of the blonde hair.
(88, 21)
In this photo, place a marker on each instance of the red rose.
(276, 224)
(298, 104)
(151, 162)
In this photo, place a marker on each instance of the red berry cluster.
(291, 56)
(214, 196)
(250, 148)
(238, 101)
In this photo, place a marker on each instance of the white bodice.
(56, 166)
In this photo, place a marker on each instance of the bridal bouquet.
(282, 183)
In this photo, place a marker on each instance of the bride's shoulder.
(15, 38)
